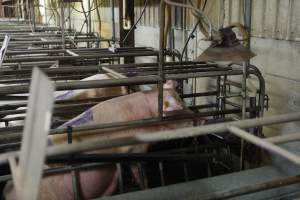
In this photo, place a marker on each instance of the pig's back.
(126, 108)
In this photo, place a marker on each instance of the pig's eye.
(166, 104)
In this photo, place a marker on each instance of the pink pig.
(103, 181)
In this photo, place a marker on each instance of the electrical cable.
(90, 10)
(192, 33)
(197, 12)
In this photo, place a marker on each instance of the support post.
(1, 9)
(126, 12)
(161, 57)
(45, 8)
(246, 64)
(33, 15)
(113, 20)
(62, 23)
(89, 23)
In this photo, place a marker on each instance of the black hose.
(192, 33)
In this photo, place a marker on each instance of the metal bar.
(132, 157)
(113, 21)
(244, 105)
(113, 72)
(9, 134)
(161, 57)
(284, 138)
(81, 57)
(248, 20)
(85, 84)
(202, 74)
(265, 144)
(62, 21)
(3, 49)
(161, 136)
(58, 170)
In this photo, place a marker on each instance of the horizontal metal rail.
(85, 84)
(265, 144)
(12, 134)
(160, 136)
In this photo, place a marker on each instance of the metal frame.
(131, 75)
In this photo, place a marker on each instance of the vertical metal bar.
(120, 177)
(276, 16)
(161, 172)
(27, 11)
(18, 10)
(248, 24)
(88, 22)
(161, 58)
(218, 89)
(113, 20)
(69, 12)
(289, 21)
(144, 175)
(45, 8)
(186, 172)
(33, 15)
(244, 90)
(263, 22)
(141, 176)
(1, 9)
(229, 11)
(223, 94)
(248, 20)
(74, 174)
(89, 18)
(62, 22)
(244, 103)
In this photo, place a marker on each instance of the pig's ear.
(172, 104)
(170, 84)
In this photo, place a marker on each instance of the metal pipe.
(131, 157)
(85, 84)
(244, 105)
(265, 144)
(161, 57)
(202, 74)
(81, 57)
(113, 21)
(284, 138)
(62, 22)
(12, 134)
(160, 136)
(262, 86)
(248, 20)
(58, 170)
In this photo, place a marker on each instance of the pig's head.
(171, 101)
(170, 84)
